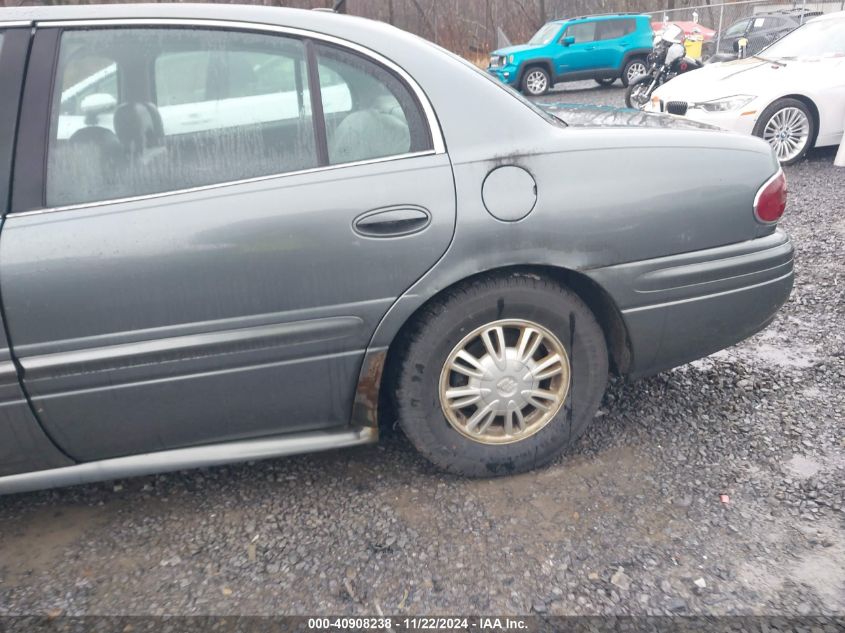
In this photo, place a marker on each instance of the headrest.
(138, 126)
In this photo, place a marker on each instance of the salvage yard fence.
(760, 21)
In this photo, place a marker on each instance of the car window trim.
(220, 185)
(315, 93)
(14, 52)
(30, 162)
(28, 204)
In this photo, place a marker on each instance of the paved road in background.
(585, 92)
(631, 521)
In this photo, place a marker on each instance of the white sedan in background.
(792, 94)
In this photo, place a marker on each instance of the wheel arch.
(641, 53)
(544, 63)
(372, 405)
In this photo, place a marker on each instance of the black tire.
(606, 81)
(528, 84)
(627, 69)
(629, 91)
(443, 325)
(782, 104)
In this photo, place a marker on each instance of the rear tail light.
(770, 201)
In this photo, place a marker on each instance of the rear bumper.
(683, 307)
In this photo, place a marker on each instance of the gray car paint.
(23, 444)
(594, 217)
(212, 316)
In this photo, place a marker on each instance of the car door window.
(334, 91)
(175, 109)
(89, 79)
(181, 77)
(582, 32)
(369, 111)
(614, 29)
(761, 24)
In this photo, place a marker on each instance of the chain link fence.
(753, 23)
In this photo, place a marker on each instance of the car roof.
(375, 35)
(313, 20)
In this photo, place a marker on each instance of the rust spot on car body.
(365, 407)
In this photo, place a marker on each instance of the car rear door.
(23, 444)
(168, 286)
(613, 38)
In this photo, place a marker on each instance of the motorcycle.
(667, 60)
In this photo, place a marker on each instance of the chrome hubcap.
(787, 132)
(635, 70)
(504, 381)
(536, 82)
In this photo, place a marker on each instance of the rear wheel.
(787, 125)
(635, 67)
(536, 81)
(500, 375)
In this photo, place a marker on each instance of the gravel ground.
(629, 522)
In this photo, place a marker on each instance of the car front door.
(578, 48)
(207, 259)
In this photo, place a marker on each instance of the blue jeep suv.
(600, 47)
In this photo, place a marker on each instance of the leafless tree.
(468, 27)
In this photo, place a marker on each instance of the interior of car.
(140, 111)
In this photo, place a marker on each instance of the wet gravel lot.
(632, 521)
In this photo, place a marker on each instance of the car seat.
(140, 130)
(84, 167)
(367, 134)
